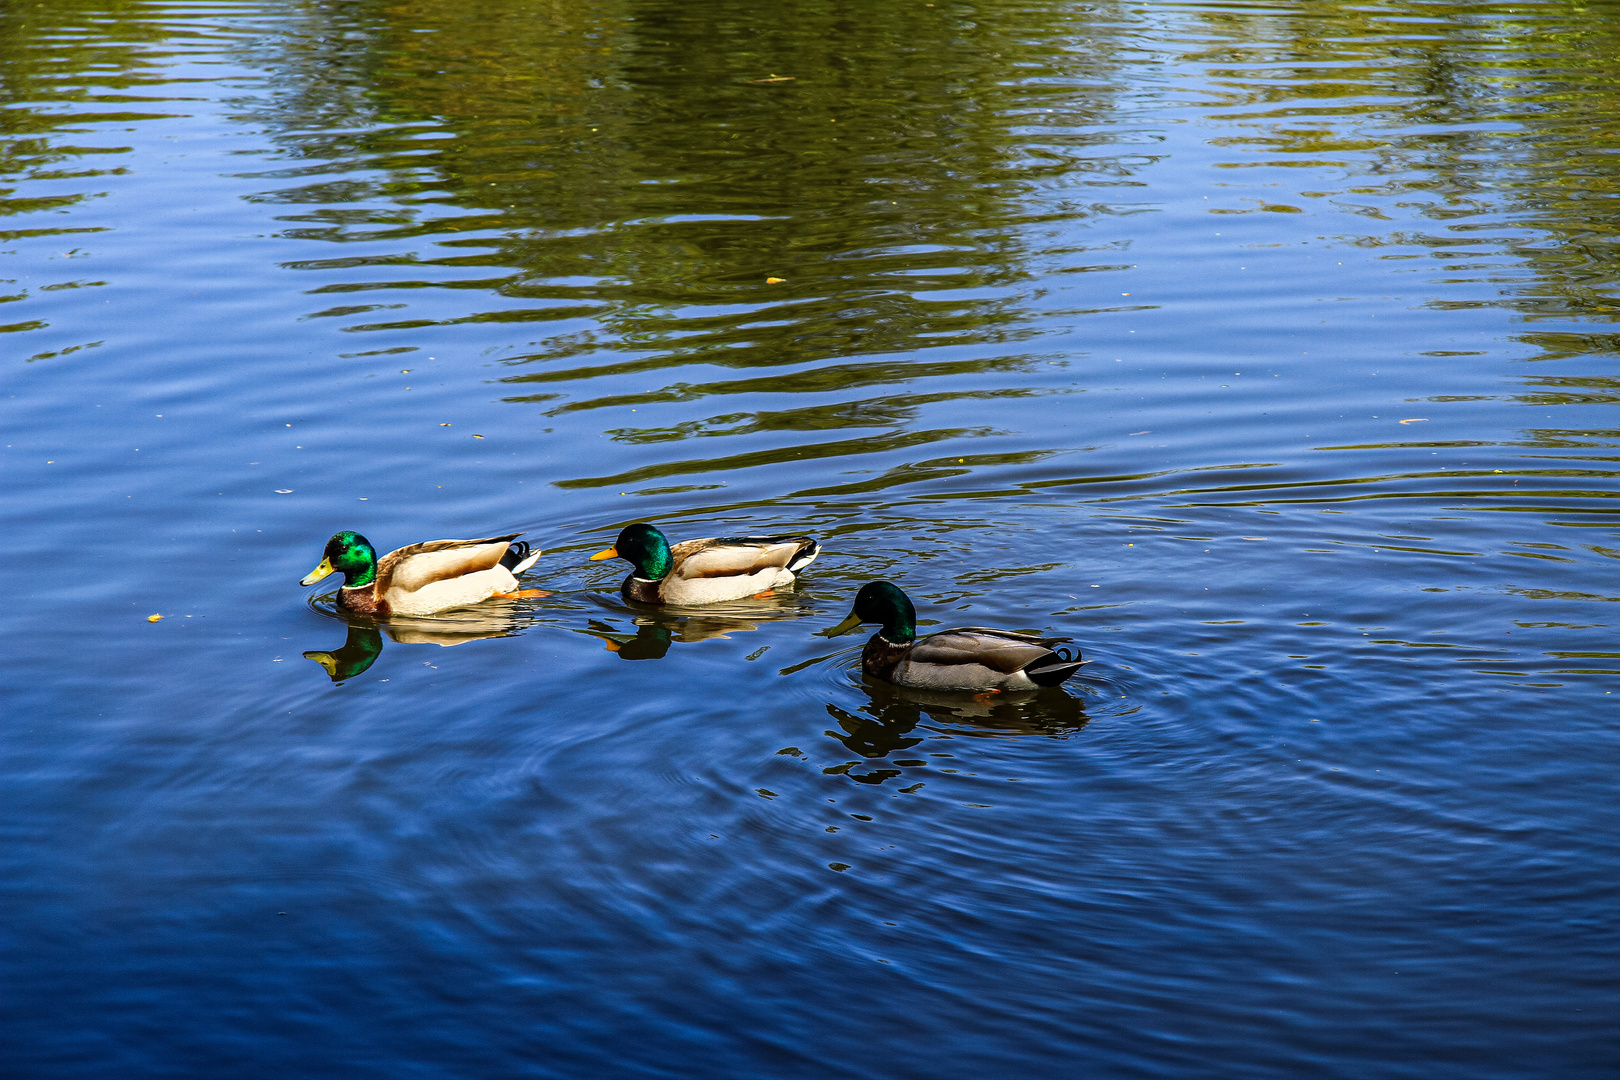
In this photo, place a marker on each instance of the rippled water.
(1267, 349)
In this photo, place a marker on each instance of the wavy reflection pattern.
(794, 225)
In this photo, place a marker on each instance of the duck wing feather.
(736, 556)
(1001, 650)
(410, 568)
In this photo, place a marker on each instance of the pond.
(1267, 350)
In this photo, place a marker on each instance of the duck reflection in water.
(650, 641)
(657, 628)
(884, 725)
(365, 639)
(358, 652)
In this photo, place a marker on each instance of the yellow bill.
(610, 553)
(319, 572)
(325, 659)
(851, 623)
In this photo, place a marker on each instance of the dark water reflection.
(885, 729)
(657, 628)
(1268, 350)
(358, 652)
(364, 641)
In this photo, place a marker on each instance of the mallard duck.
(423, 578)
(966, 658)
(706, 571)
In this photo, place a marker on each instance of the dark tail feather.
(516, 553)
(808, 550)
(1052, 670)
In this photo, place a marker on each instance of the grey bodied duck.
(706, 571)
(965, 658)
(423, 578)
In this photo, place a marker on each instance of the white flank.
(421, 568)
(719, 589)
(452, 592)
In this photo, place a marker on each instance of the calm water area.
(1267, 348)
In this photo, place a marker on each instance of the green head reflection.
(358, 653)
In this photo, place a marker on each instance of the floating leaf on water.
(775, 280)
(154, 618)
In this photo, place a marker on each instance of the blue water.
(1267, 350)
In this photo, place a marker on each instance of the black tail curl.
(1054, 669)
(808, 550)
(516, 552)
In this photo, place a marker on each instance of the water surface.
(1267, 349)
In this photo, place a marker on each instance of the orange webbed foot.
(766, 595)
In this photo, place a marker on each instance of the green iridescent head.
(349, 554)
(643, 547)
(883, 603)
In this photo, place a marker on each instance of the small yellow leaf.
(154, 618)
(775, 280)
(478, 436)
(1415, 420)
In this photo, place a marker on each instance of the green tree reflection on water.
(114, 64)
(731, 186)
(1495, 115)
(620, 182)
(649, 168)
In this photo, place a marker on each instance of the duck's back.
(720, 568)
(442, 574)
(971, 657)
